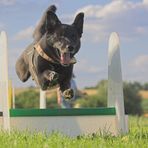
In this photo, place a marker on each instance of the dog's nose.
(70, 48)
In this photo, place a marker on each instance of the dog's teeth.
(73, 60)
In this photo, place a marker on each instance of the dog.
(50, 58)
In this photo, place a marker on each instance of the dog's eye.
(71, 48)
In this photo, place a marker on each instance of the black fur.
(40, 28)
(60, 42)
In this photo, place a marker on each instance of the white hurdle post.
(42, 99)
(4, 105)
(115, 86)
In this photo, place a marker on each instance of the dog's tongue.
(65, 58)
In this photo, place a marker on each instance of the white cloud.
(126, 17)
(24, 34)
(7, 2)
(137, 69)
(86, 67)
(145, 1)
(141, 30)
(140, 62)
(107, 10)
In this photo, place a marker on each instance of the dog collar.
(40, 51)
(43, 54)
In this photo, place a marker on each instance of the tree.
(98, 100)
(145, 87)
(132, 99)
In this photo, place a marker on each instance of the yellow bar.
(10, 94)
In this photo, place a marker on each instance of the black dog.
(49, 60)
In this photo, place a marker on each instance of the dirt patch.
(144, 94)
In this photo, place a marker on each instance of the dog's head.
(65, 39)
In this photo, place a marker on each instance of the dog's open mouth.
(66, 59)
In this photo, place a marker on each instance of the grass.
(136, 138)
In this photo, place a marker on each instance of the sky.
(127, 17)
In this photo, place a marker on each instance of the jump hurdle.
(72, 122)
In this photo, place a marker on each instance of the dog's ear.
(52, 21)
(78, 23)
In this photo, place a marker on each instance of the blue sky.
(127, 17)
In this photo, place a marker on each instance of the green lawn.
(136, 138)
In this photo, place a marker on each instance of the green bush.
(30, 99)
(93, 101)
(52, 101)
(145, 105)
(27, 99)
(98, 100)
(132, 98)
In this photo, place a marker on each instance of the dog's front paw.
(68, 94)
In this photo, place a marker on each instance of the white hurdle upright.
(4, 105)
(42, 99)
(72, 122)
(115, 86)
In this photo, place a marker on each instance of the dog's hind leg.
(22, 69)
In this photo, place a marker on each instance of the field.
(136, 138)
(144, 94)
(144, 104)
